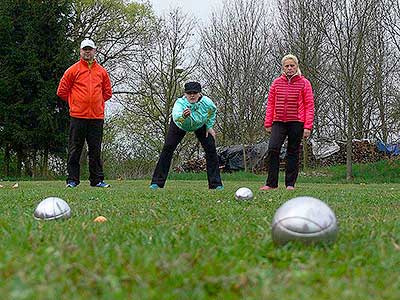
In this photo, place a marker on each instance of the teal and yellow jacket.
(203, 112)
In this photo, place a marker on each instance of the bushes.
(128, 169)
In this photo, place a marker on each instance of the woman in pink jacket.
(290, 113)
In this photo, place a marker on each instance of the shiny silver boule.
(52, 208)
(244, 193)
(304, 219)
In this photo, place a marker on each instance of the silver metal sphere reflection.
(52, 208)
(304, 219)
(244, 193)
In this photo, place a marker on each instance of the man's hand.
(306, 133)
(268, 130)
(186, 113)
(210, 131)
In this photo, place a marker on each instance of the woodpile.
(195, 165)
(364, 151)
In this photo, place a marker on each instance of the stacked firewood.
(192, 165)
(363, 151)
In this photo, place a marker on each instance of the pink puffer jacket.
(290, 100)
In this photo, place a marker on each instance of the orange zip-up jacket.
(85, 89)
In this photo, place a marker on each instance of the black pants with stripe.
(90, 130)
(281, 130)
(174, 137)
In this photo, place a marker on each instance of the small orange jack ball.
(100, 219)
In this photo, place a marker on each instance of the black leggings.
(281, 130)
(90, 130)
(174, 137)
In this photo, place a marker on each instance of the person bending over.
(196, 113)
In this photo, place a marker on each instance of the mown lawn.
(187, 242)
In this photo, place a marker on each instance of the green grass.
(383, 171)
(187, 242)
(234, 176)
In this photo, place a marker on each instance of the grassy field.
(187, 242)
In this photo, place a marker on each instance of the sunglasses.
(192, 93)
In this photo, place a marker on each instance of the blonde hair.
(294, 58)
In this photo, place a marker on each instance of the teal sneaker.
(72, 184)
(220, 188)
(102, 184)
(154, 186)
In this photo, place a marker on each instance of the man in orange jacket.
(86, 87)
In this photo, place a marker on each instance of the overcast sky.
(201, 9)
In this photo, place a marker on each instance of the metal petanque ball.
(244, 193)
(304, 219)
(52, 208)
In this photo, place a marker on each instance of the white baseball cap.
(88, 43)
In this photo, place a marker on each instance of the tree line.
(348, 50)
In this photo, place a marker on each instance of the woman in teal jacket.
(196, 113)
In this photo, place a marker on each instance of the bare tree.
(154, 81)
(298, 35)
(391, 21)
(381, 70)
(236, 65)
(345, 24)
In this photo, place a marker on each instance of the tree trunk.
(305, 155)
(45, 163)
(20, 159)
(349, 146)
(244, 158)
(349, 161)
(7, 160)
(34, 164)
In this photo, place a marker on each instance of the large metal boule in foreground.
(304, 219)
(52, 208)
